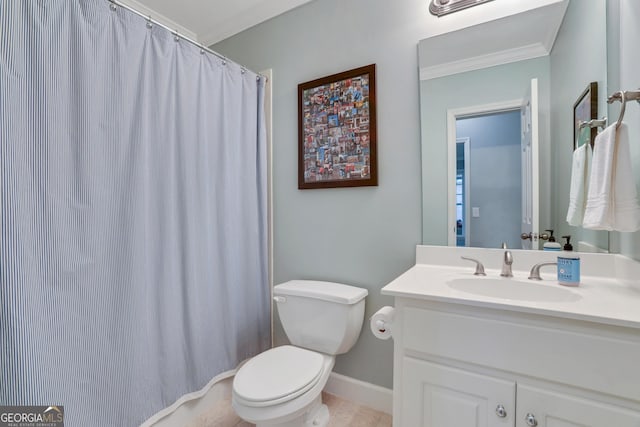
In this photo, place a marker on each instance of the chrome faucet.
(507, 262)
(535, 270)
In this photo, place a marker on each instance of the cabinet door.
(545, 408)
(440, 396)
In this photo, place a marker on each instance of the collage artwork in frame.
(337, 130)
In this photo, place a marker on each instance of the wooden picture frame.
(337, 130)
(585, 109)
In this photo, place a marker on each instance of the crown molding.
(535, 50)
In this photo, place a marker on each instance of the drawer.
(592, 361)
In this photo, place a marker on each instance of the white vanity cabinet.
(459, 365)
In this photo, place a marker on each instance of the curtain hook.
(176, 36)
(113, 6)
(149, 23)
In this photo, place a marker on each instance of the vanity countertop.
(609, 291)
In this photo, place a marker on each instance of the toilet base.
(305, 410)
(316, 416)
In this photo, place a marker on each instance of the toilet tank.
(321, 316)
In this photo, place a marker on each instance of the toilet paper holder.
(381, 323)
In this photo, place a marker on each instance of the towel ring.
(623, 97)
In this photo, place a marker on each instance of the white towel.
(580, 169)
(612, 201)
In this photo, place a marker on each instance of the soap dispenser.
(568, 265)
(551, 245)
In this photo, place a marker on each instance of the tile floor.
(343, 414)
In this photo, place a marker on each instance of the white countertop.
(612, 297)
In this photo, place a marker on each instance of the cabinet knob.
(500, 411)
(531, 420)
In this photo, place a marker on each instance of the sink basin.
(513, 289)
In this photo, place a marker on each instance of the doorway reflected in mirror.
(489, 192)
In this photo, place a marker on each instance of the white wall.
(361, 236)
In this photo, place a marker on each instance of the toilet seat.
(277, 376)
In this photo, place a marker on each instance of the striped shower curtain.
(133, 254)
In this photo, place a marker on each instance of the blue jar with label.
(569, 269)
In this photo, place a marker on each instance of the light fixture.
(443, 7)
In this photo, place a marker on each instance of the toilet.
(282, 386)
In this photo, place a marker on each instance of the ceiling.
(477, 32)
(209, 21)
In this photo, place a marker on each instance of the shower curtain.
(133, 253)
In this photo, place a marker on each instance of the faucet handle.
(479, 267)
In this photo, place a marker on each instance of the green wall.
(362, 236)
(579, 56)
(366, 236)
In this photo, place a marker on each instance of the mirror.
(474, 74)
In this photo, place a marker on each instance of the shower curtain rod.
(202, 47)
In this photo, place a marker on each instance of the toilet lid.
(278, 375)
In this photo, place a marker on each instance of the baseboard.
(360, 392)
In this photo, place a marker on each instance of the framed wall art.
(585, 109)
(337, 130)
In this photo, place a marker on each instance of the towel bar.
(594, 123)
